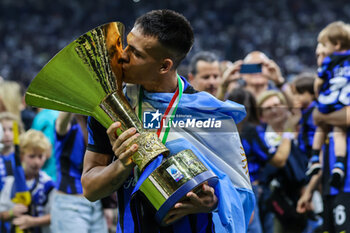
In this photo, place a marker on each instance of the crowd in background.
(32, 32)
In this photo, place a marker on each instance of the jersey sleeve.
(98, 140)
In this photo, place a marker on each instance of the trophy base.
(173, 179)
(179, 194)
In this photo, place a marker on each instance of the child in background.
(6, 120)
(333, 88)
(34, 151)
(304, 100)
(7, 167)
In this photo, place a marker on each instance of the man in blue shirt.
(156, 45)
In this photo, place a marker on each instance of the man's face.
(257, 79)
(273, 111)
(7, 126)
(33, 160)
(321, 53)
(142, 58)
(207, 77)
(328, 47)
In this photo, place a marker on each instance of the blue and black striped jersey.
(334, 93)
(328, 162)
(70, 151)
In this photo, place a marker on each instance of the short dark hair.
(244, 97)
(172, 30)
(304, 82)
(201, 56)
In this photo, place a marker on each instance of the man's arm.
(280, 157)
(338, 118)
(275, 73)
(63, 123)
(282, 153)
(27, 221)
(101, 177)
(304, 202)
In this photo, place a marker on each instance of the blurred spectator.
(7, 167)
(332, 90)
(11, 95)
(304, 101)
(231, 79)
(6, 120)
(270, 74)
(34, 150)
(246, 130)
(204, 72)
(71, 211)
(45, 121)
(275, 143)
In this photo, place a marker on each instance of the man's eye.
(137, 54)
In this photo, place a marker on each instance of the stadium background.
(33, 31)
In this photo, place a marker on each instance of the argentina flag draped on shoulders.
(207, 126)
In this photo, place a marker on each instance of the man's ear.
(166, 65)
(190, 77)
(337, 46)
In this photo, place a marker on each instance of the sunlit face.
(321, 53)
(142, 58)
(7, 139)
(273, 111)
(33, 160)
(329, 48)
(207, 77)
(115, 49)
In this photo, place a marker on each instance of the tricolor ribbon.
(169, 113)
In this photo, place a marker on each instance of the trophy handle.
(118, 108)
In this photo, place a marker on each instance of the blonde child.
(34, 151)
(333, 89)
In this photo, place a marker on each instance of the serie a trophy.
(86, 78)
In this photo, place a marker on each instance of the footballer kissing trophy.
(85, 78)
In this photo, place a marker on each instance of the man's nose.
(124, 58)
(38, 161)
(213, 80)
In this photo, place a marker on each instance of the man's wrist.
(288, 135)
(279, 82)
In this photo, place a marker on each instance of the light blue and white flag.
(207, 126)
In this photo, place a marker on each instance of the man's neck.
(8, 150)
(164, 85)
(278, 128)
(30, 177)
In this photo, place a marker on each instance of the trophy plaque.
(86, 78)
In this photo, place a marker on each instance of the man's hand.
(204, 202)
(274, 72)
(24, 222)
(304, 202)
(19, 209)
(231, 74)
(108, 214)
(121, 144)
